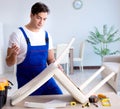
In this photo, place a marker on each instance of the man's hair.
(39, 7)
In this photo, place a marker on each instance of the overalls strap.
(26, 38)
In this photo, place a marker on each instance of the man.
(31, 48)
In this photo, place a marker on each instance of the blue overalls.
(33, 64)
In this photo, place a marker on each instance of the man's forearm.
(11, 60)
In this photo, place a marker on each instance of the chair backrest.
(81, 51)
(60, 48)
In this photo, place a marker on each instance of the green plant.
(101, 40)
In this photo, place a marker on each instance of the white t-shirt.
(36, 38)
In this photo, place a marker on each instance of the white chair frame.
(53, 71)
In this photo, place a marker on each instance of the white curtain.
(1, 49)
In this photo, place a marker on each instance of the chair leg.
(81, 67)
(66, 68)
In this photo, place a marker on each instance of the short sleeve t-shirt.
(36, 38)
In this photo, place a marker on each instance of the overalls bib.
(34, 63)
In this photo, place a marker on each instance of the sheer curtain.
(1, 49)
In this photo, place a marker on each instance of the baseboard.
(87, 67)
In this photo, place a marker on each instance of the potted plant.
(101, 40)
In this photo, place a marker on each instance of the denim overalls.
(33, 64)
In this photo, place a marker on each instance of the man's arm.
(51, 57)
(12, 53)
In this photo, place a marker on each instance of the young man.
(31, 48)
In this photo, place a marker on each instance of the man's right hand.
(12, 55)
(14, 50)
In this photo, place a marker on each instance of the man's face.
(39, 19)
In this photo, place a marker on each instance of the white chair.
(65, 61)
(81, 54)
(112, 64)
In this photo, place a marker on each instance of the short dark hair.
(39, 7)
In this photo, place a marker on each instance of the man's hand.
(12, 53)
(14, 50)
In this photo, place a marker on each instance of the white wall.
(64, 21)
